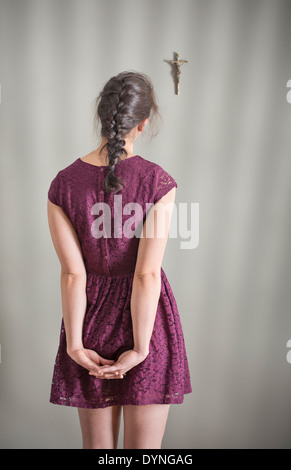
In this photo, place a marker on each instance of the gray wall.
(225, 139)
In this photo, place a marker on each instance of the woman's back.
(109, 225)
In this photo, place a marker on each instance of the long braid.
(116, 143)
(111, 128)
(125, 101)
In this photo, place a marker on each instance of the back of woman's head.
(125, 101)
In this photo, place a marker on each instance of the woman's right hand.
(92, 361)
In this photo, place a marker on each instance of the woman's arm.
(73, 274)
(73, 287)
(74, 304)
(145, 295)
(146, 286)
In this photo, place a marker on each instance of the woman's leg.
(100, 427)
(144, 426)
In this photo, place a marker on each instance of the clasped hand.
(107, 368)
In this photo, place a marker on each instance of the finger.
(112, 374)
(93, 356)
(107, 362)
(102, 375)
(98, 359)
(113, 368)
(96, 373)
(87, 363)
(107, 376)
(112, 377)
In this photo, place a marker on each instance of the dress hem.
(166, 401)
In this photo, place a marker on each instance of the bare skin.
(99, 157)
(100, 427)
(144, 426)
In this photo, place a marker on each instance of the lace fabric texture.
(163, 377)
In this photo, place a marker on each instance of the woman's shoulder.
(150, 167)
(158, 180)
(153, 168)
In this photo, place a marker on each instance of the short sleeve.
(163, 183)
(54, 191)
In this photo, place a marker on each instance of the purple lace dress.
(163, 377)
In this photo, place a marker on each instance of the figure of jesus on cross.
(177, 64)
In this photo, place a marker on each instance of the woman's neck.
(103, 153)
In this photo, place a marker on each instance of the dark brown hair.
(125, 101)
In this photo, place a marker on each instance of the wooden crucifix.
(176, 71)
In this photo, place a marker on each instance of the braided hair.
(125, 101)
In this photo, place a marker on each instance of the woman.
(121, 342)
